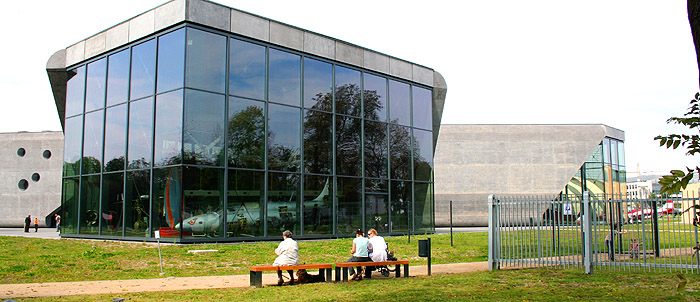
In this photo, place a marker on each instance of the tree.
(694, 20)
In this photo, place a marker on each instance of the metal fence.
(594, 232)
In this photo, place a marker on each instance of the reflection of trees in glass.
(400, 150)
(347, 99)
(373, 106)
(246, 138)
(318, 141)
(91, 165)
(196, 150)
(375, 149)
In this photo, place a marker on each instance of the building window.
(21, 152)
(23, 184)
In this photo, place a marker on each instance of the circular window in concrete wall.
(46, 154)
(36, 177)
(23, 184)
(21, 152)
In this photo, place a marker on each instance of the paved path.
(52, 289)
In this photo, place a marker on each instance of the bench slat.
(353, 264)
(264, 268)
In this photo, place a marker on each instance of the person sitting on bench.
(288, 254)
(360, 253)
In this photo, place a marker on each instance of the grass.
(29, 260)
(516, 285)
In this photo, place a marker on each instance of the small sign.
(157, 234)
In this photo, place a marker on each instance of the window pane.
(318, 82)
(73, 139)
(400, 151)
(424, 207)
(606, 151)
(283, 203)
(69, 205)
(75, 91)
(349, 205)
(284, 138)
(318, 205)
(89, 204)
(376, 150)
(92, 142)
(168, 128)
(400, 205)
(613, 152)
(285, 78)
(423, 156)
(348, 135)
(247, 69)
(143, 69)
(115, 138)
(204, 203)
(140, 133)
(246, 197)
(422, 108)
(206, 60)
(167, 201)
(246, 133)
(112, 203)
(375, 97)
(95, 92)
(118, 77)
(204, 128)
(376, 185)
(377, 212)
(621, 153)
(137, 203)
(318, 142)
(347, 91)
(171, 60)
(399, 103)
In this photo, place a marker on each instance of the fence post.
(587, 234)
(493, 234)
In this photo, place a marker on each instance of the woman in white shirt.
(288, 254)
(377, 245)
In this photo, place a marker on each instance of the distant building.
(640, 189)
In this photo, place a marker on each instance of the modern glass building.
(603, 174)
(213, 124)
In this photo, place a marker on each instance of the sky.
(628, 64)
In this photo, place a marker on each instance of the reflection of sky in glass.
(247, 69)
(118, 77)
(284, 126)
(285, 78)
(168, 127)
(347, 77)
(75, 92)
(422, 108)
(204, 124)
(318, 79)
(399, 103)
(140, 131)
(115, 133)
(424, 144)
(95, 91)
(171, 60)
(375, 86)
(143, 69)
(206, 60)
(73, 139)
(92, 140)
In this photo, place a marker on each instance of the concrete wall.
(41, 197)
(473, 161)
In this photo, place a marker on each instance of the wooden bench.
(256, 271)
(347, 265)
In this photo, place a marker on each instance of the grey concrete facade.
(473, 161)
(41, 175)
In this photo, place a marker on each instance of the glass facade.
(603, 175)
(206, 136)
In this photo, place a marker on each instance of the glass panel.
(204, 128)
(73, 138)
(400, 205)
(347, 91)
(143, 69)
(171, 60)
(167, 201)
(376, 150)
(90, 204)
(621, 153)
(112, 204)
(168, 129)
(284, 138)
(318, 205)
(606, 151)
(118, 77)
(422, 108)
(377, 212)
(595, 180)
(348, 135)
(318, 142)
(115, 138)
(96, 86)
(246, 133)
(204, 203)
(423, 154)
(206, 60)
(375, 98)
(349, 215)
(399, 103)
(400, 151)
(140, 133)
(247, 69)
(318, 82)
(92, 143)
(424, 208)
(246, 197)
(283, 203)
(285, 78)
(376, 185)
(613, 152)
(138, 203)
(69, 205)
(75, 91)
